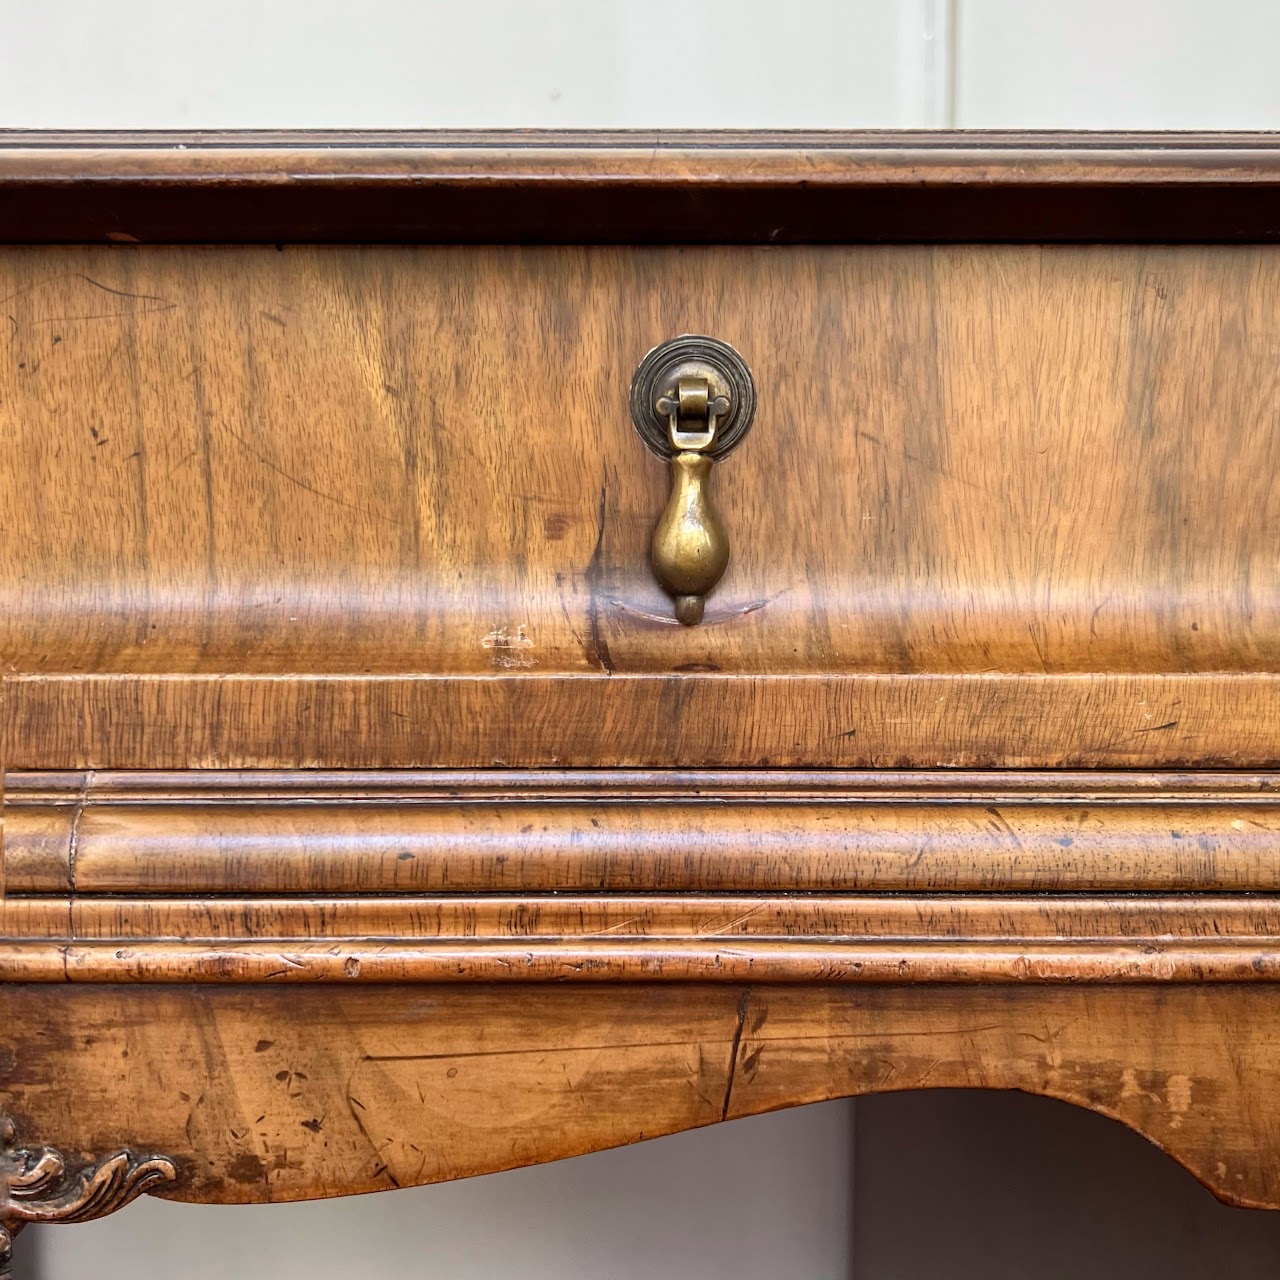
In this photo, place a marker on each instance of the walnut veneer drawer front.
(1030, 478)
(349, 734)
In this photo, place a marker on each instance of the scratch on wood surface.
(73, 838)
(302, 484)
(729, 613)
(1003, 823)
(509, 648)
(744, 1001)
(599, 646)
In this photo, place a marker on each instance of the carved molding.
(35, 1185)
(334, 832)
(809, 876)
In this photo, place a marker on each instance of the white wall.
(754, 1199)
(770, 1196)
(640, 63)
(968, 1185)
(1118, 64)
(463, 63)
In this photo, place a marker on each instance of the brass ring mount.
(692, 356)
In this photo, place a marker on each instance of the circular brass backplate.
(692, 355)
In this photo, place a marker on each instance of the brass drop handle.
(692, 400)
(690, 544)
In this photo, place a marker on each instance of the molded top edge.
(637, 186)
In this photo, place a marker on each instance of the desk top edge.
(637, 186)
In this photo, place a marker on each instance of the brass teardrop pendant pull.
(691, 545)
(692, 400)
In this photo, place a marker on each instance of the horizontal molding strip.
(702, 917)
(178, 786)
(797, 938)
(792, 961)
(628, 187)
(1023, 721)
(590, 938)
(287, 833)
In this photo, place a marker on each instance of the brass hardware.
(692, 400)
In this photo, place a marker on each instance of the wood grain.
(685, 720)
(825, 961)
(658, 831)
(240, 460)
(817, 939)
(330, 657)
(905, 918)
(323, 1092)
(246, 463)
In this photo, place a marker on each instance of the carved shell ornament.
(36, 1187)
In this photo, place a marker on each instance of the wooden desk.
(370, 820)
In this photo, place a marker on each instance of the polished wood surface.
(606, 876)
(284, 1093)
(421, 460)
(244, 462)
(338, 942)
(601, 831)
(688, 719)
(368, 819)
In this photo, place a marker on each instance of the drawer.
(998, 504)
